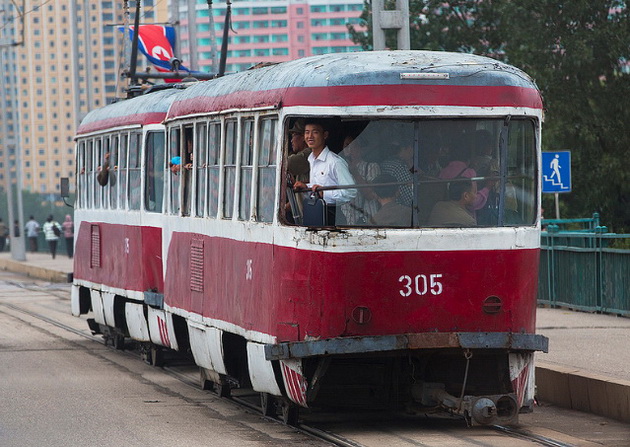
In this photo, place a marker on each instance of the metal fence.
(579, 270)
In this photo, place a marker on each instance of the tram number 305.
(421, 284)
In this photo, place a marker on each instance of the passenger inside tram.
(459, 166)
(327, 169)
(424, 156)
(390, 213)
(456, 212)
(365, 204)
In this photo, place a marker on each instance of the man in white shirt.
(327, 169)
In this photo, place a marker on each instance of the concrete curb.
(584, 391)
(35, 272)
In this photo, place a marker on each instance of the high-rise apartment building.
(66, 62)
(269, 30)
(68, 57)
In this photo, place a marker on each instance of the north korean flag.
(157, 43)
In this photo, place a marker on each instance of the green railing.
(579, 270)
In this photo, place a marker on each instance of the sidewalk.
(588, 364)
(587, 367)
(40, 265)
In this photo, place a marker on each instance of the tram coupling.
(484, 410)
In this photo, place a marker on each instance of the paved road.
(58, 388)
(61, 389)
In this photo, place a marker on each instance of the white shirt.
(329, 169)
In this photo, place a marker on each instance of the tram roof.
(150, 108)
(336, 80)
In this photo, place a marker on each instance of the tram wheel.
(118, 342)
(290, 413)
(206, 384)
(222, 389)
(267, 404)
(156, 356)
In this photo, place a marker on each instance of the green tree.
(578, 51)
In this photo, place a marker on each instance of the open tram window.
(154, 173)
(266, 170)
(174, 167)
(452, 172)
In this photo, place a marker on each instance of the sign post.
(556, 174)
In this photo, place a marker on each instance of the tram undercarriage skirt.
(385, 343)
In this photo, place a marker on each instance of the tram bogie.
(200, 242)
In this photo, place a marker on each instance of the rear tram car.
(194, 239)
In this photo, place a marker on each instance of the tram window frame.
(174, 182)
(266, 168)
(154, 170)
(229, 166)
(134, 175)
(201, 160)
(214, 167)
(247, 147)
(122, 171)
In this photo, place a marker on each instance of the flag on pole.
(157, 43)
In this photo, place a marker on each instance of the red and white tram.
(196, 243)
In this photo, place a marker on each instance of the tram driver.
(326, 169)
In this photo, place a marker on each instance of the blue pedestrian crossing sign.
(556, 171)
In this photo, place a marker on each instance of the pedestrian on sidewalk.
(68, 234)
(4, 232)
(32, 228)
(52, 231)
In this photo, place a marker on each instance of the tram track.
(242, 402)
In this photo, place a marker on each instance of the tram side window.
(155, 162)
(247, 156)
(113, 173)
(200, 160)
(80, 166)
(229, 169)
(520, 187)
(107, 164)
(266, 170)
(175, 165)
(134, 171)
(122, 171)
(187, 170)
(98, 160)
(90, 176)
(214, 169)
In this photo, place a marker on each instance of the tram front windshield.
(426, 173)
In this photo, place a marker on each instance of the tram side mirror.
(64, 187)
